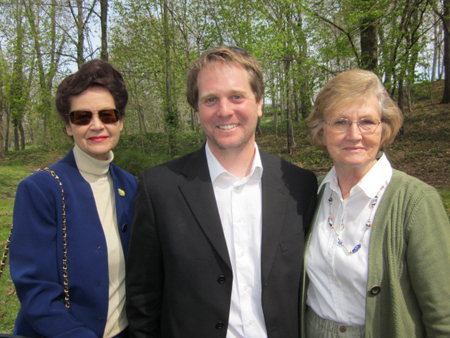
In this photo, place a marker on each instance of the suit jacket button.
(219, 326)
(124, 227)
(221, 279)
(375, 290)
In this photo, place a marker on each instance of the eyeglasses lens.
(366, 125)
(84, 117)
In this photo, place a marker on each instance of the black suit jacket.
(179, 274)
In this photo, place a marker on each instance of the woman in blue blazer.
(71, 222)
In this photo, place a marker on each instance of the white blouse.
(337, 288)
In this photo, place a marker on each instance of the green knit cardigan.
(408, 287)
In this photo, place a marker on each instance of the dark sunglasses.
(84, 117)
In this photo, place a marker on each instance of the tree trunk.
(104, 25)
(22, 136)
(446, 59)
(258, 127)
(400, 97)
(80, 34)
(2, 149)
(7, 127)
(170, 111)
(274, 106)
(46, 71)
(289, 129)
(369, 51)
(400, 101)
(435, 54)
(18, 91)
(16, 136)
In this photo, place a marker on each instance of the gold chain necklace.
(367, 226)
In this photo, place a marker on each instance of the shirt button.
(221, 279)
(250, 322)
(342, 329)
(375, 290)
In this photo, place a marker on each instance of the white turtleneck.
(96, 173)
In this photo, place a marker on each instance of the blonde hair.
(229, 55)
(346, 87)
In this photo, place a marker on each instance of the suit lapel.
(274, 197)
(199, 195)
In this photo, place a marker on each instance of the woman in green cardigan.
(377, 260)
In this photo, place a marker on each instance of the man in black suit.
(218, 237)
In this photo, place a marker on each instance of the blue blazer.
(36, 251)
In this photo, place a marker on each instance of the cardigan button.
(220, 326)
(221, 279)
(124, 227)
(375, 290)
(342, 329)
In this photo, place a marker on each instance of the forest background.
(300, 44)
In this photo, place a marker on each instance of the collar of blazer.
(199, 194)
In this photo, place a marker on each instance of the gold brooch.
(121, 192)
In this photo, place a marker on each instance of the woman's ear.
(69, 129)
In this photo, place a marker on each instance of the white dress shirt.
(338, 279)
(96, 173)
(239, 204)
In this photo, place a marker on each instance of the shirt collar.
(90, 165)
(216, 169)
(379, 175)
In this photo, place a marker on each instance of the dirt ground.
(423, 149)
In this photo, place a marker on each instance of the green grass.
(10, 176)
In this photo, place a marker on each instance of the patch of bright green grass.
(10, 176)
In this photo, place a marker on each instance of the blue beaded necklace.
(342, 226)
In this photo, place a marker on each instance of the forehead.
(356, 108)
(95, 96)
(223, 73)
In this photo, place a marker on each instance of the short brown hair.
(346, 87)
(94, 73)
(225, 54)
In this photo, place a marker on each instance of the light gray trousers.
(317, 327)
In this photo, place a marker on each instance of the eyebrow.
(231, 92)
